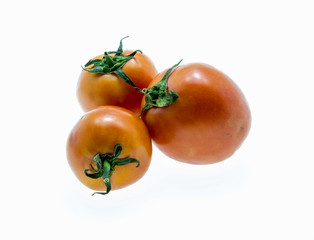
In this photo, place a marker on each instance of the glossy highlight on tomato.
(207, 123)
(98, 132)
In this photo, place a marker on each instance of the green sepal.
(94, 175)
(125, 78)
(105, 166)
(125, 161)
(158, 95)
(112, 64)
(117, 150)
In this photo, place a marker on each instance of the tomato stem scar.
(106, 164)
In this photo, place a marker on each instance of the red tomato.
(207, 123)
(96, 89)
(96, 135)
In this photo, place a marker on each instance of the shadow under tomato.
(188, 181)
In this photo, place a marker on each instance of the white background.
(265, 191)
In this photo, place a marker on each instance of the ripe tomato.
(103, 134)
(208, 121)
(97, 89)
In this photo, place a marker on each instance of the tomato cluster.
(193, 113)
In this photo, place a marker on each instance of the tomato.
(208, 121)
(103, 134)
(97, 89)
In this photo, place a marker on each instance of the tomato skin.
(95, 89)
(97, 132)
(208, 122)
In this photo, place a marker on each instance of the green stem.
(106, 164)
(106, 177)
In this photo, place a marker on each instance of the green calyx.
(105, 166)
(158, 95)
(112, 64)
